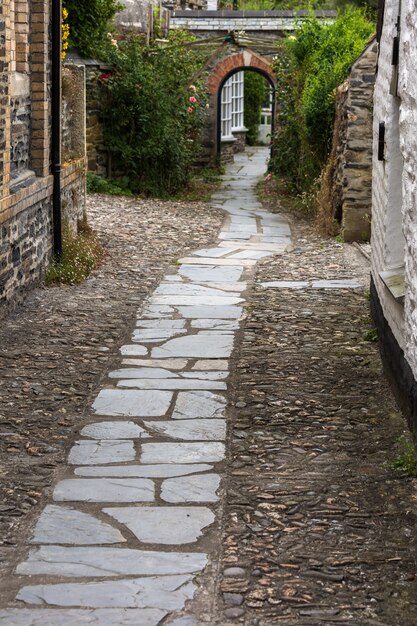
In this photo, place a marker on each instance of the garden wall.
(349, 171)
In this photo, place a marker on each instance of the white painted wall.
(408, 139)
(394, 202)
(387, 243)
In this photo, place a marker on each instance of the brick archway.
(222, 69)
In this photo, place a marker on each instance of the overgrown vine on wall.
(309, 67)
(89, 22)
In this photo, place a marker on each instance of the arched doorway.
(224, 69)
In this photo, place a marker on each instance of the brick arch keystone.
(245, 59)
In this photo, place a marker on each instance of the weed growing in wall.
(81, 254)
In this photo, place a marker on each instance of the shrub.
(97, 184)
(255, 94)
(152, 112)
(89, 22)
(309, 67)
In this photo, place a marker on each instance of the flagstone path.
(132, 520)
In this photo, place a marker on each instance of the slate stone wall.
(350, 196)
(20, 135)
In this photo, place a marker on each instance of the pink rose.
(190, 109)
(192, 99)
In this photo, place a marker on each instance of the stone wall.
(26, 237)
(98, 155)
(350, 195)
(20, 135)
(223, 21)
(73, 112)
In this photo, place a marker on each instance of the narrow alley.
(227, 462)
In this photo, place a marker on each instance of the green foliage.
(82, 253)
(297, 5)
(406, 460)
(152, 113)
(309, 67)
(255, 94)
(89, 22)
(97, 184)
(371, 335)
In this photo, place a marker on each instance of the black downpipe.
(56, 125)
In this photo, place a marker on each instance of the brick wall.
(26, 236)
(224, 65)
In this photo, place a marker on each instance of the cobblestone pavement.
(55, 349)
(317, 530)
(296, 520)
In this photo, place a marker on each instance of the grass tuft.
(82, 253)
(406, 460)
(97, 184)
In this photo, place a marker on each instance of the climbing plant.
(309, 67)
(153, 111)
(89, 22)
(255, 93)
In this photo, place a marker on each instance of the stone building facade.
(25, 148)
(394, 205)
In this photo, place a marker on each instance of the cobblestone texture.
(317, 528)
(300, 520)
(55, 349)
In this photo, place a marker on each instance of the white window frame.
(238, 101)
(226, 111)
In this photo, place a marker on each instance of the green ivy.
(89, 22)
(153, 113)
(309, 67)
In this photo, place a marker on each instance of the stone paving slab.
(199, 404)
(172, 383)
(82, 617)
(191, 489)
(212, 312)
(132, 403)
(144, 471)
(198, 430)
(114, 430)
(163, 592)
(202, 452)
(165, 525)
(104, 490)
(97, 452)
(108, 562)
(218, 346)
(218, 263)
(171, 364)
(64, 525)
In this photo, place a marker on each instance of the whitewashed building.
(394, 202)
